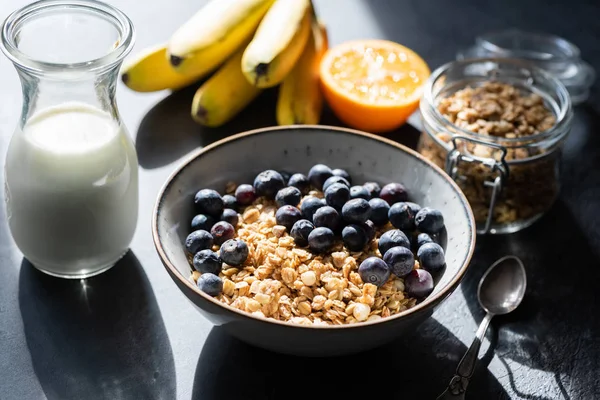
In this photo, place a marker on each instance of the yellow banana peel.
(150, 71)
(300, 99)
(278, 42)
(223, 95)
(214, 33)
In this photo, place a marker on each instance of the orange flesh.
(373, 85)
(376, 75)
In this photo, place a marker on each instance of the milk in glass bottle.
(71, 169)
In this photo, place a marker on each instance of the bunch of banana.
(249, 45)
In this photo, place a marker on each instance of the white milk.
(72, 190)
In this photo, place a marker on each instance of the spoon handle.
(458, 385)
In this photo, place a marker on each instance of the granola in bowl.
(368, 158)
(290, 275)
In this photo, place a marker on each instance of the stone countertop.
(130, 334)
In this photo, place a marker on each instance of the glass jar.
(71, 168)
(509, 181)
(553, 54)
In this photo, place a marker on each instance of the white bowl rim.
(430, 300)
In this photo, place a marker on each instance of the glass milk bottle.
(71, 169)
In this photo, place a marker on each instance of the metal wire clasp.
(499, 167)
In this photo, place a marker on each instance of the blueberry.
(289, 196)
(245, 194)
(412, 238)
(209, 202)
(321, 239)
(268, 183)
(379, 211)
(222, 231)
(373, 188)
(318, 174)
(310, 205)
(414, 207)
(423, 238)
(374, 270)
(356, 211)
(359, 192)
(230, 201)
(285, 175)
(429, 220)
(207, 261)
(431, 257)
(231, 216)
(234, 252)
(198, 240)
(392, 238)
(327, 217)
(210, 284)
(419, 283)
(301, 182)
(393, 193)
(202, 221)
(343, 174)
(402, 216)
(287, 216)
(354, 237)
(337, 195)
(400, 260)
(335, 179)
(300, 231)
(369, 228)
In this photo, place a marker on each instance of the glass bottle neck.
(94, 89)
(67, 51)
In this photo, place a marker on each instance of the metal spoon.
(500, 291)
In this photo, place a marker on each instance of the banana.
(150, 71)
(214, 33)
(278, 42)
(224, 95)
(300, 100)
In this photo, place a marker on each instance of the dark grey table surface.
(134, 336)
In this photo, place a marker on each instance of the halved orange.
(373, 85)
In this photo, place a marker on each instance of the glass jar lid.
(554, 54)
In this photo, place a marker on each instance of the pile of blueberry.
(353, 213)
(214, 224)
(350, 213)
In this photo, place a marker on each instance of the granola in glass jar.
(497, 127)
(498, 112)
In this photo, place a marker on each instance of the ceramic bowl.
(367, 158)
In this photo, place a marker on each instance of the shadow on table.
(563, 272)
(99, 338)
(556, 329)
(416, 367)
(407, 134)
(168, 132)
(437, 30)
(436, 40)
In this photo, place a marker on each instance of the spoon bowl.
(502, 287)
